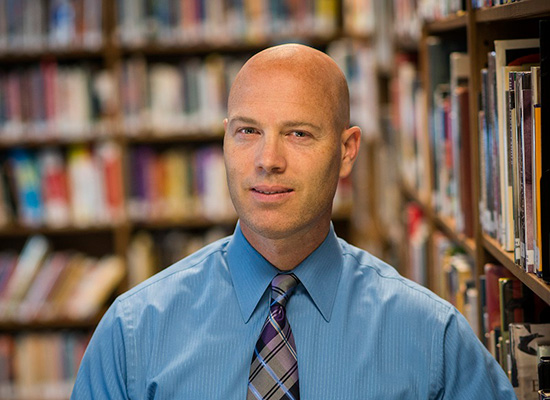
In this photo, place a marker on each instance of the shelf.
(407, 44)
(50, 140)
(184, 223)
(52, 325)
(206, 47)
(444, 224)
(448, 227)
(198, 135)
(13, 55)
(451, 23)
(520, 10)
(17, 230)
(506, 258)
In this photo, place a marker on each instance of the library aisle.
(111, 163)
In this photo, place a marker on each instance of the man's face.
(282, 154)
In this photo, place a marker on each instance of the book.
(43, 284)
(26, 182)
(544, 182)
(30, 260)
(493, 272)
(94, 288)
(55, 191)
(524, 129)
(460, 141)
(109, 164)
(524, 341)
(87, 190)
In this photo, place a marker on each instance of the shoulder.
(180, 275)
(383, 282)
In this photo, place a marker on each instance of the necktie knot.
(282, 287)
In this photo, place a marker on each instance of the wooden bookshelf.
(206, 47)
(451, 23)
(476, 29)
(446, 225)
(176, 136)
(506, 258)
(512, 11)
(53, 325)
(20, 231)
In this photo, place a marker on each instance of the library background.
(111, 162)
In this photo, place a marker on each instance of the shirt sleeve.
(103, 370)
(468, 369)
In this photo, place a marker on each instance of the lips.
(271, 190)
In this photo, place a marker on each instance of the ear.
(351, 139)
(225, 122)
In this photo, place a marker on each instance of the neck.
(286, 253)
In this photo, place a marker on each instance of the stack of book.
(81, 188)
(42, 285)
(449, 133)
(490, 3)
(514, 327)
(199, 21)
(178, 184)
(455, 280)
(36, 24)
(51, 100)
(179, 97)
(40, 365)
(511, 150)
(433, 10)
(358, 62)
(409, 121)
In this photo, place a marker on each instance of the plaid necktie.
(274, 368)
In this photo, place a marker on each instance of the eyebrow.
(286, 124)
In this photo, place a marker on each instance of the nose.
(270, 154)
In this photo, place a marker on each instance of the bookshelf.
(424, 156)
(117, 120)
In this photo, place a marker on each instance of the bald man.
(283, 309)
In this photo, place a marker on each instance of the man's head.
(287, 141)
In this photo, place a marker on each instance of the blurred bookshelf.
(475, 214)
(111, 160)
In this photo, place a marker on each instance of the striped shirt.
(361, 330)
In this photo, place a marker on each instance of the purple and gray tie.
(274, 368)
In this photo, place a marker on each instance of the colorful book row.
(181, 96)
(512, 149)
(490, 3)
(82, 187)
(197, 21)
(52, 100)
(38, 24)
(516, 327)
(176, 184)
(40, 365)
(41, 285)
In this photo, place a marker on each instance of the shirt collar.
(251, 273)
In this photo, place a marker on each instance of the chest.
(356, 355)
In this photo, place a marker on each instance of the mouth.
(266, 190)
(271, 191)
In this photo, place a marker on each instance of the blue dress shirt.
(362, 332)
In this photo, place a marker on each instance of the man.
(340, 325)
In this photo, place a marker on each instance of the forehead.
(277, 91)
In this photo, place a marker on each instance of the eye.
(299, 134)
(247, 131)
